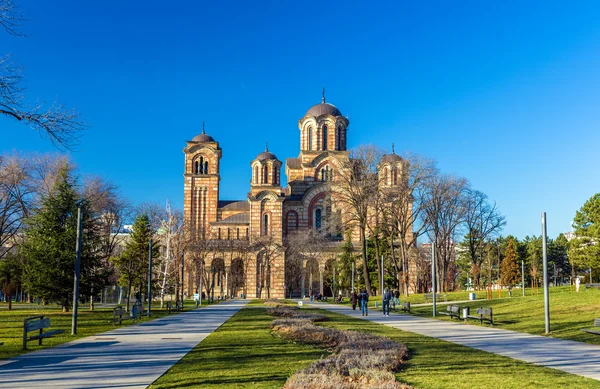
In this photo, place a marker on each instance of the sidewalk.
(132, 356)
(569, 356)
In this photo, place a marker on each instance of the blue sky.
(504, 95)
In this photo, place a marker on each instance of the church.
(241, 247)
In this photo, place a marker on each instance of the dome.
(391, 158)
(266, 155)
(323, 109)
(203, 137)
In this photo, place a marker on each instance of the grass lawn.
(569, 313)
(244, 353)
(88, 323)
(241, 353)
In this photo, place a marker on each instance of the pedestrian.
(364, 302)
(354, 299)
(396, 298)
(385, 302)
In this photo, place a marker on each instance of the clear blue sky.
(505, 95)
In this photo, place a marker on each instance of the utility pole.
(149, 278)
(201, 277)
(77, 273)
(433, 281)
(545, 258)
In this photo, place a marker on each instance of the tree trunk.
(128, 295)
(9, 302)
(364, 255)
(91, 302)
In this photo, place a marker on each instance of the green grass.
(241, 353)
(569, 313)
(88, 323)
(434, 363)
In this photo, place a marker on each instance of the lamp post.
(433, 281)
(545, 257)
(149, 277)
(77, 273)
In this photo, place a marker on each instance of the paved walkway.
(132, 356)
(572, 357)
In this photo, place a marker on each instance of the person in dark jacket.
(354, 299)
(364, 302)
(385, 300)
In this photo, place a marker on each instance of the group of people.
(362, 300)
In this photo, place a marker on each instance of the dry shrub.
(372, 380)
(287, 311)
(303, 331)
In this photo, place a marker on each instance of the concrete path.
(572, 357)
(127, 357)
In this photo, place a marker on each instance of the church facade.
(242, 246)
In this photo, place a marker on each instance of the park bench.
(178, 306)
(119, 314)
(483, 314)
(588, 285)
(36, 323)
(452, 311)
(438, 297)
(596, 330)
(405, 306)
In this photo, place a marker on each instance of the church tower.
(201, 183)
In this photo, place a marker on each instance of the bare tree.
(61, 125)
(269, 249)
(483, 221)
(406, 210)
(356, 188)
(15, 199)
(445, 212)
(303, 245)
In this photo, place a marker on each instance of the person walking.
(396, 298)
(385, 302)
(364, 302)
(354, 299)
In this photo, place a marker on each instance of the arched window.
(197, 167)
(238, 233)
(256, 174)
(219, 233)
(265, 224)
(266, 175)
(326, 174)
(205, 167)
(395, 176)
(385, 175)
(247, 232)
(228, 233)
(310, 138)
(338, 132)
(275, 175)
(318, 217)
(325, 137)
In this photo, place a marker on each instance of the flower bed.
(358, 360)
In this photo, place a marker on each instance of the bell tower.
(201, 183)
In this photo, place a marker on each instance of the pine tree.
(509, 270)
(133, 263)
(49, 245)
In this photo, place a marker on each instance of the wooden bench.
(452, 311)
(483, 314)
(595, 331)
(36, 323)
(405, 306)
(588, 285)
(438, 297)
(119, 314)
(178, 306)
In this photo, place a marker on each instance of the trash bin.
(466, 312)
(472, 296)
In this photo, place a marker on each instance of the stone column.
(227, 282)
(310, 291)
(321, 271)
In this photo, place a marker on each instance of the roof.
(203, 138)
(389, 158)
(238, 218)
(234, 205)
(266, 155)
(323, 109)
(293, 163)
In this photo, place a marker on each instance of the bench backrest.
(597, 322)
(118, 311)
(484, 311)
(406, 304)
(453, 308)
(37, 324)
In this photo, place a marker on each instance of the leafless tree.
(406, 210)
(269, 248)
(15, 199)
(356, 188)
(303, 245)
(445, 212)
(483, 221)
(61, 125)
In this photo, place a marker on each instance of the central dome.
(323, 109)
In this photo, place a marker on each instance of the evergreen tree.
(133, 263)
(11, 270)
(50, 241)
(585, 248)
(509, 270)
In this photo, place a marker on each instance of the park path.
(132, 356)
(569, 356)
